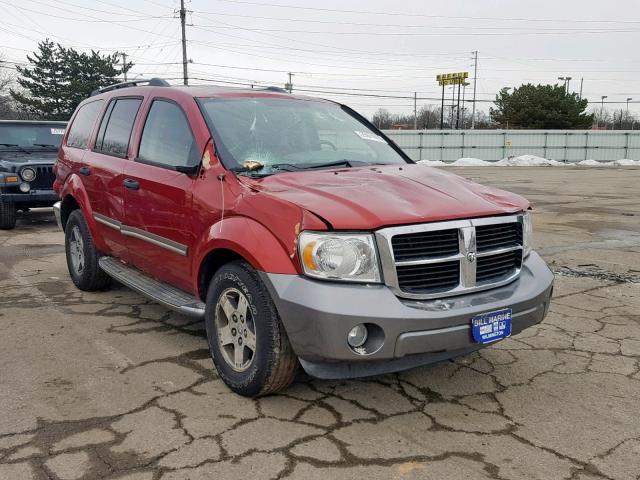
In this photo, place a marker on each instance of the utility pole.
(565, 82)
(124, 65)
(183, 18)
(581, 83)
(475, 78)
(415, 110)
(289, 85)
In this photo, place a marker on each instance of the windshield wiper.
(287, 167)
(45, 145)
(338, 163)
(15, 145)
(249, 173)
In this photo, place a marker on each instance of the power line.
(118, 22)
(365, 24)
(398, 14)
(75, 5)
(467, 31)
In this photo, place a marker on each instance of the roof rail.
(276, 89)
(152, 82)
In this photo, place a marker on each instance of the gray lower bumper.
(317, 316)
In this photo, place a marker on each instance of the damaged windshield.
(271, 135)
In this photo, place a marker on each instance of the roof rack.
(276, 89)
(152, 82)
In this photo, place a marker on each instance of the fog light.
(357, 336)
(25, 187)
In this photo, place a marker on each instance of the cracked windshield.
(267, 135)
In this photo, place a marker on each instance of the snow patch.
(528, 161)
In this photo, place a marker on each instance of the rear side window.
(83, 124)
(115, 129)
(167, 139)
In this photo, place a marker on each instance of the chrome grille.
(494, 267)
(429, 277)
(435, 244)
(491, 237)
(440, 259)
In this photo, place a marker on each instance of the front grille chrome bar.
(466, 256)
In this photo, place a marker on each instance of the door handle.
(86, 171)
(131, 184)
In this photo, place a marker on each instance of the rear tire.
(240, 316)
(7, 215)
(82, 256)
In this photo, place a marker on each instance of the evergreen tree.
(542, 107)
(60, 78)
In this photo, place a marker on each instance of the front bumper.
(317, 316)
(36, 198)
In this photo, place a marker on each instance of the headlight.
(28, 174)
(527, 233)
(339, 256)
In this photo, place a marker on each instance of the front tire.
(82, 256)
(7, 215)
(247, 340)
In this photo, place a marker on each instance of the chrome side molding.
(140, 234)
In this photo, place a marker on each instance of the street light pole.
(627, 114)
(602, 110)
(566, 88)
(475, 78)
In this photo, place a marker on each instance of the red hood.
(367, 198)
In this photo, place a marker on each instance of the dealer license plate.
(491, 326)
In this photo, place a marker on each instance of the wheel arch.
(240, 238)
(75, 195)
(211, 264)
(67, 206)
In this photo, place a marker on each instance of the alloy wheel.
(236, 330)
(76, 250)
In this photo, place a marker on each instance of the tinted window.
(167, 138)
(115, 130)
(83, 124)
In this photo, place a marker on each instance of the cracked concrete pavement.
(110, 385)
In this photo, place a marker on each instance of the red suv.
(295, 228)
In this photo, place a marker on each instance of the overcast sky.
(385, 48)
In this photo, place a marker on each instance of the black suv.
(28, 150)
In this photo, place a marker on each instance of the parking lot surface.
(110, 385)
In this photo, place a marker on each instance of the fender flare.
(73, 187)
(249, 239)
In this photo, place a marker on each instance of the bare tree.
(8, 109)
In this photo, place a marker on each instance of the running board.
(156, 290)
